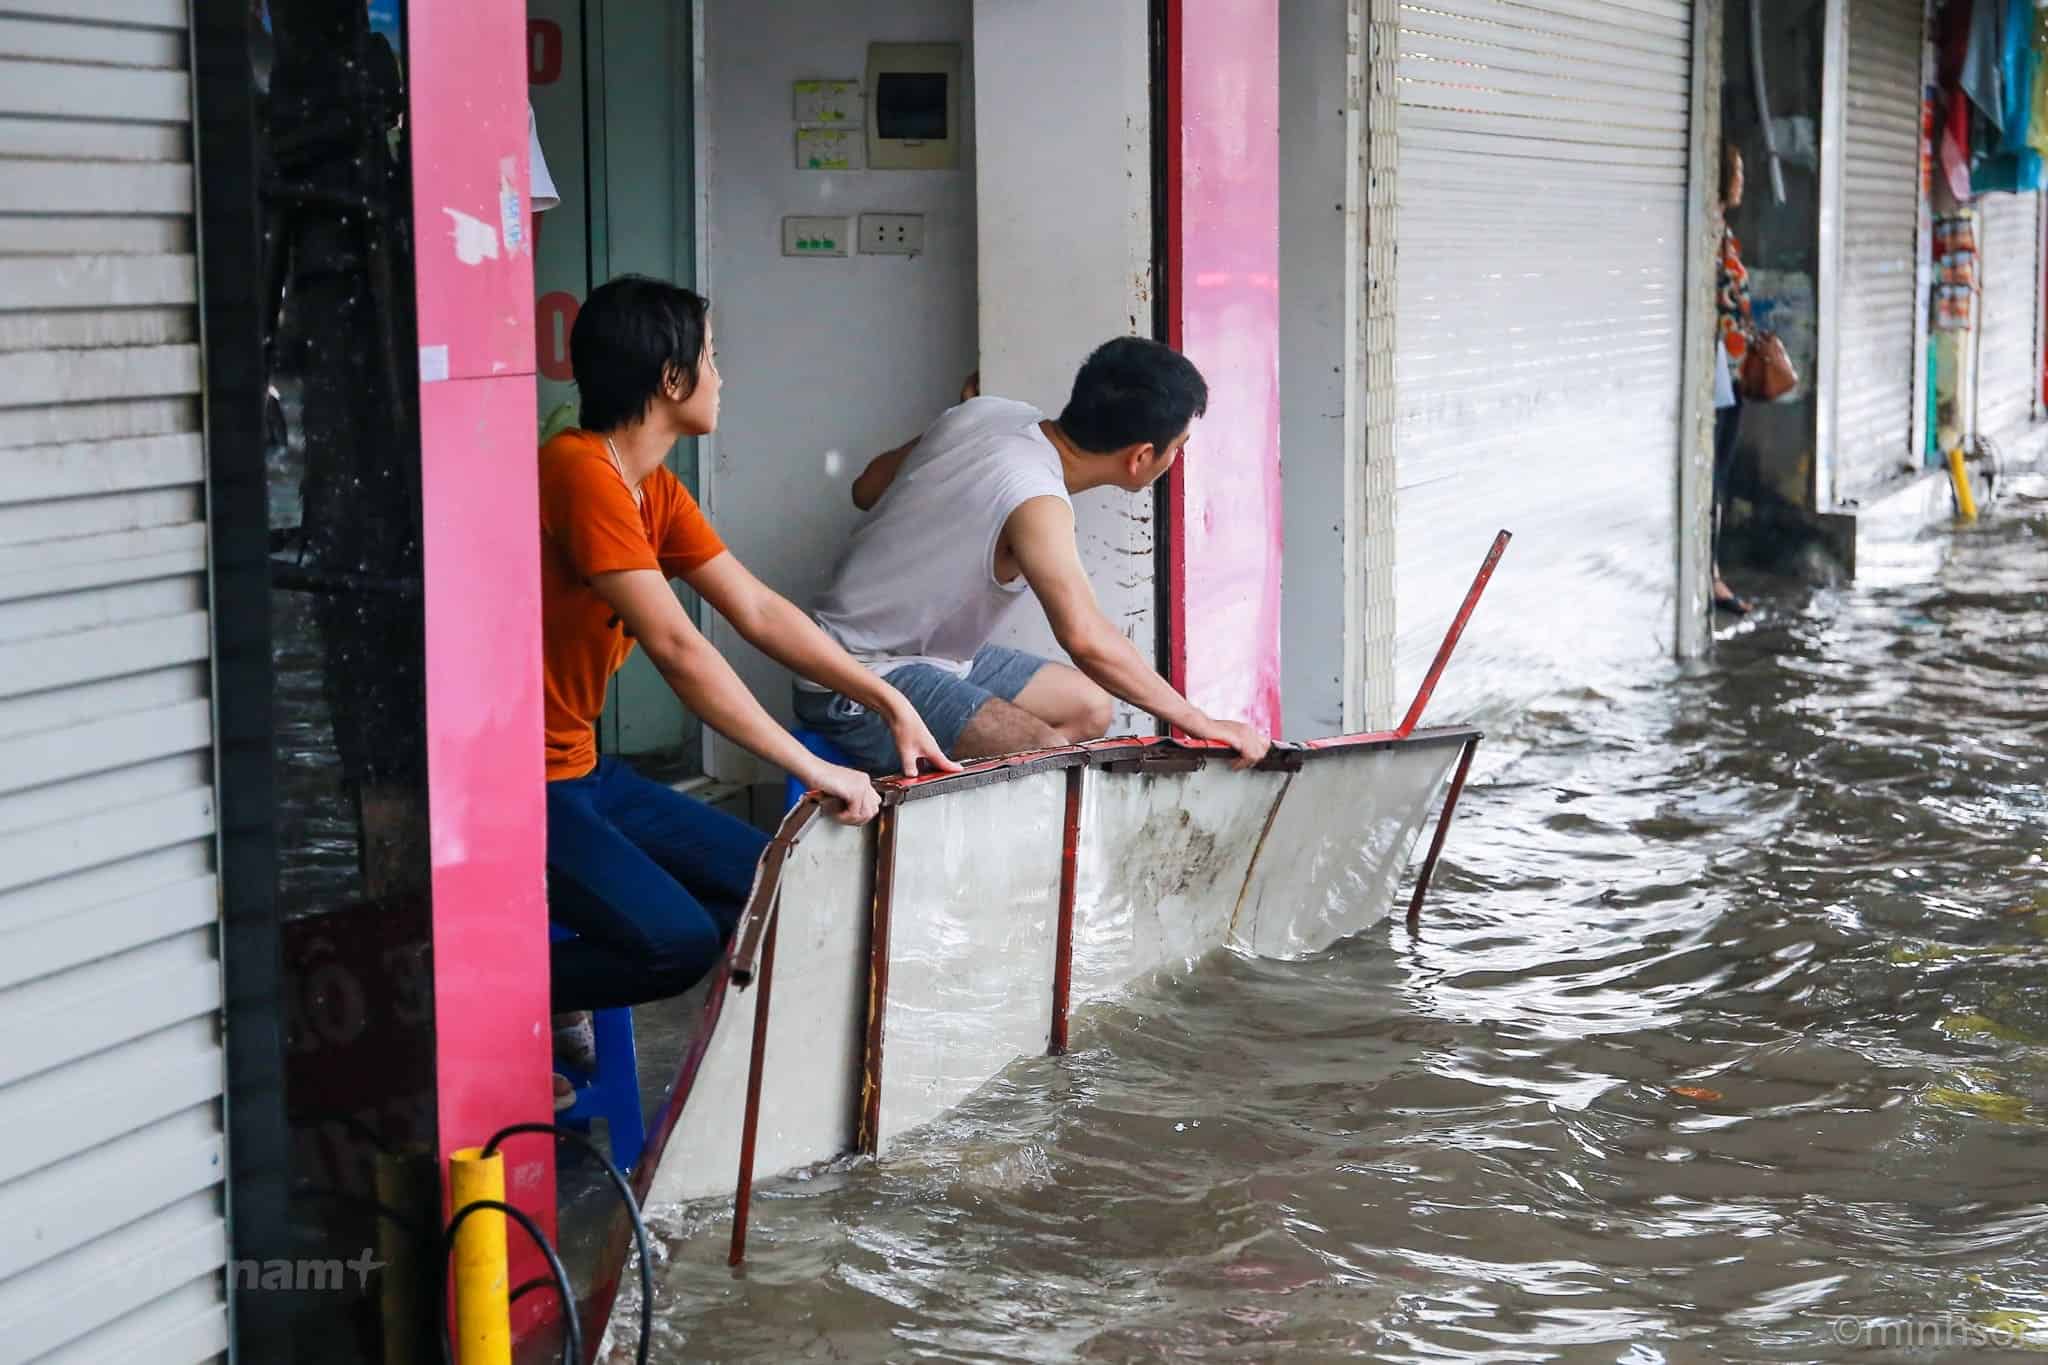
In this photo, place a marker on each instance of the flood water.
(1725, 1037)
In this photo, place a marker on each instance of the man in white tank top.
(961, 522)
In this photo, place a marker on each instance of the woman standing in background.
(1736, 329)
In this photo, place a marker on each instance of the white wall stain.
(475, 240)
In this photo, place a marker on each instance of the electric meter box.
(913, 117)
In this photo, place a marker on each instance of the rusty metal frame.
(751, 958)
(881, 906)
(1063, 936)
(750, 1124)
(1443, 829)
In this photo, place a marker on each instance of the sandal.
(576, 1041)
(1731, 604)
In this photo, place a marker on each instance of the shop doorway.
(613, 91)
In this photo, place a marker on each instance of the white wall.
(1315, 151)
(1063, 108)
(826, 362)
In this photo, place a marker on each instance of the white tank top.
(917, 583)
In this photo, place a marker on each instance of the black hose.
(523, 1290)
(618, 1179)
(572, 1326)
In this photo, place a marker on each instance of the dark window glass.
(347, 655)
(911, 106)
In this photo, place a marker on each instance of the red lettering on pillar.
(543, 52)
(553, 317)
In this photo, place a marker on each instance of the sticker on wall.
(433, 364)
(827, 104)
(829, 149)
(511, 207)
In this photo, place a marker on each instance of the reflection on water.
(1726, 1023)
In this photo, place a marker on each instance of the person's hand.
(970, 387)
(1251, 746)
(851, 792)
(914, 742)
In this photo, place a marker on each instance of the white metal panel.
(110, 991)
(77, 1107)
(817, 1029)
(1542, 210)
(1880, 224)
(1333, 854)
(60, 424)
(1161, 909)
(971, 939)
(2009, 349)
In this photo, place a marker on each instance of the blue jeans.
(946, 701)
(649, 880)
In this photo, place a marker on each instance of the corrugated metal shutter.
(1539, 328)
(110, 986)
(1880, 245)
(2008, 354)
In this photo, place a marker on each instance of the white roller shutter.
(1880, 246)
(110, 987)
(2008, 349)
(1542, 191)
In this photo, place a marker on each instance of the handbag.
(1767, 372)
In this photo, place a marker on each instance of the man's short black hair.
(629, 335)
(1132, 391)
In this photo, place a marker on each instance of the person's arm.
(706, 683)
(1040, 533)
(880, 473)
(772, 624)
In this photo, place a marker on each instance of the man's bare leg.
(1068, 701)
(999, 727)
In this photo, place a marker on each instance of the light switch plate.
(817, 236)
(830, 149)
(828, 104)
(892, 234)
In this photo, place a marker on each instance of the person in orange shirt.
(651, 881)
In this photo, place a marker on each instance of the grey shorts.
(946, 701)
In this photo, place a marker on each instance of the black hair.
(630, 335)
(1132, 391)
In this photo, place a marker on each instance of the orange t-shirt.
(589, 526)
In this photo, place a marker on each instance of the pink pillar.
(1223, 282)
(466, 68)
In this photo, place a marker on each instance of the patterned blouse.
(1731, 300)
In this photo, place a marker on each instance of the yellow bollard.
(483, 1304)
(1959, 479)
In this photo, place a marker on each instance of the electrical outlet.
(892, 234)
(817, 237)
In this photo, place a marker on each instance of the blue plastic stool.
(612, 1092)
(792, 789)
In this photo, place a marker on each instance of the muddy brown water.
(1725, 1037)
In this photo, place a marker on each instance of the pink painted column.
(466, 68)
(1223, 282)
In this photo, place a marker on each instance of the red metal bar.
(870, 1126)
(1443, 651)
(1168, 139)
(1443, 827)
(765, 897)
(1063, 945)
(743, 1191)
